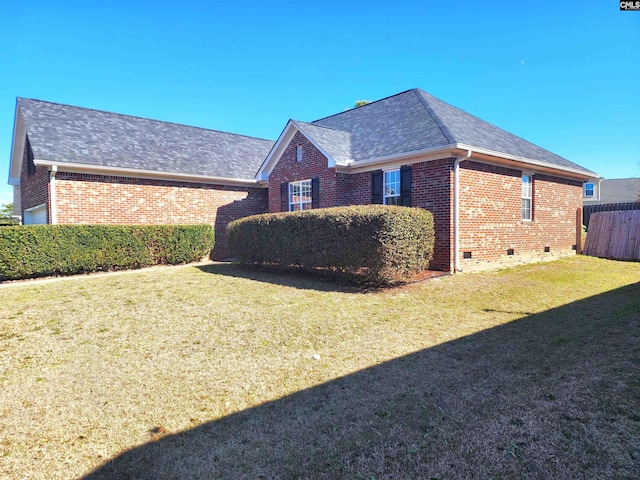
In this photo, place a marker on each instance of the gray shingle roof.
(414, 120)
(335, 142)
(63, 133)
(618, 190)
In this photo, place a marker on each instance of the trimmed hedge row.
(42, 250)
(381, 244)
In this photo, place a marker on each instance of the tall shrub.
(377, 243)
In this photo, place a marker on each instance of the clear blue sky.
(564, 75)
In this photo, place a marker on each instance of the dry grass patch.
(218, 372)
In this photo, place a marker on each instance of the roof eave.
(540, 165)
(17, 147)
(147, 174)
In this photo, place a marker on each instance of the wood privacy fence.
(614, 235)
(588, 210)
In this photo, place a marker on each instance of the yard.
(218, 372)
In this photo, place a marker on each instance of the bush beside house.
(382, 244)
(41, 250)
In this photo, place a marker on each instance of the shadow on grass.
(551, 395)
(288, 278)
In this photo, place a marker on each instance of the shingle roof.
(63, 133)
(414, 120)
(336, 143)
(619, 190)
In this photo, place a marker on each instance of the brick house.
(496, 198)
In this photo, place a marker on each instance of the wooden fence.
(614, 235)
(588, 210)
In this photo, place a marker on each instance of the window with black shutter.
(376, 187)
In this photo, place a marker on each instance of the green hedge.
(42, 250)
(382, 244)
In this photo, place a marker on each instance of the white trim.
(525, 160)
(52, 195)
(148, 174)
(276, 151)
(31, 209)
(17, 148)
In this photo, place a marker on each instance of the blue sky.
(564, 75)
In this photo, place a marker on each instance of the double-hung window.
(527, 197)
(391, 187)
(588, 189)
(300, 195)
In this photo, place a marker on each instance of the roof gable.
(74, 135)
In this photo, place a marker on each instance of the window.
(391, 187)
(300, 195)
(299, 153)
(588, 189)
(526, 197)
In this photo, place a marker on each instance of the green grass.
(219, 372)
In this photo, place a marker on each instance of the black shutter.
(405, 186)
(376, 187)
(284, 197)
(315, 193)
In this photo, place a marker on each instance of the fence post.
(579, 231)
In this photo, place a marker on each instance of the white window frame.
(386, 197)
(527, 196)
(299, 153)
(593, 189)
(301, 202)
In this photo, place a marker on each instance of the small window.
(391, 187)
(527, 189)
(299, 153)
(300, 195)
(588, 189)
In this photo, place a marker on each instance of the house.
(77, 165)
(496, 198)
(614, 190)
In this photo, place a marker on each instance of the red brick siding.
(313, 164)
(491, 221)
(82, 198)
(432, 189)
(34, 188)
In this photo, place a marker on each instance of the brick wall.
(34, 187)
(83, 198)
(313, 164)
(432, 189)
(491, 221)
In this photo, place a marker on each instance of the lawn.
(218, 372)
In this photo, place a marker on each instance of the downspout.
(456, 211)
(599, 181)
(52, 187)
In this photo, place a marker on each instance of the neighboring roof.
(414, 120)
(74, 135)
(617, 190)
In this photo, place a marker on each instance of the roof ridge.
(361, 106)
(141, 118)
(436, 118)
(319, 126)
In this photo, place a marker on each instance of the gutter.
(456, 211)
(147, 174)
(52, 196)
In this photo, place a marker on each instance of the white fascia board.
(390, 161)
(148, 174)
(282, 143)
(526, 160)
(17, 148)
(276, 151)
(331, 163)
